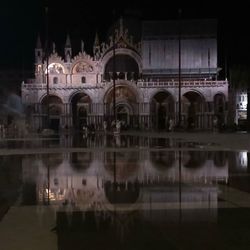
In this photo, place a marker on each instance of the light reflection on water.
(73, 173)
(124, 199)
(85, 170)
(99, 141)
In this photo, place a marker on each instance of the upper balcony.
(32, 84)
(184, 83)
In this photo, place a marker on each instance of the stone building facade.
(134, 78)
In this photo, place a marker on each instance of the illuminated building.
(81, 88)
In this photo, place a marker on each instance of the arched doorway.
(219, 108)
(126, 106)
(55, 105)
(123, 112)
(161, 109)
(192, 107)
(81, 104)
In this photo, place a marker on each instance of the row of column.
(96, 114)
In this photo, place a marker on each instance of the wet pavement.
(133, 191)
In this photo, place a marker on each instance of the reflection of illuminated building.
(240, 161)
(82, 178)
(115, 192)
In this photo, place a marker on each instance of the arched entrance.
(161, 109)
(219, 108)
(123, 112)
(54, 112)
(126, 106)
(80, 104)
(192, 107)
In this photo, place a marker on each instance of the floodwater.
(93, 142)
(123, 193)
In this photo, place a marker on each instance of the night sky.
(22, 21)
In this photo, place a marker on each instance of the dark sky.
(21, 21)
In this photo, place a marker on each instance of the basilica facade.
(167, 70)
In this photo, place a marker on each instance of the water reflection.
(128, 199)
(125, 141)
(81, 161)
(98, 141)
(125, 199)
(10, 181)
(91, 177)
(163, 160)
(110, 195)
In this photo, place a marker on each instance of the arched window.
(123, 64)
(55, 80)
(83, 79)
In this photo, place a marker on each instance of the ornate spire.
(38, 51)
(68, 42)
(53, 48)
(38, 42)
(121, 38)
(82, 46)
(96, 47)
(68, 50)
(96, 43)
(121, 26)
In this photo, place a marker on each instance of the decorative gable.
(120, 40)
(83, 63)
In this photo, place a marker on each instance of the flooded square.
(132, 192)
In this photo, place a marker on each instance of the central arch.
(123, 112)
(126, 105)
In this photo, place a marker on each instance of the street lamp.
(47, 63)
(114, 66)
(179, 71)
(114, 83)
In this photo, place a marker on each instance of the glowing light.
(243, 159)
(55, 68)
